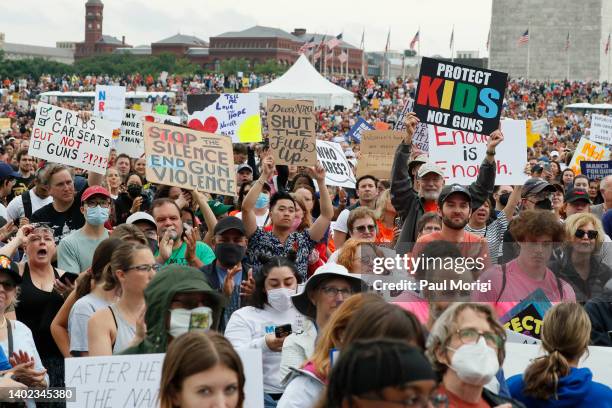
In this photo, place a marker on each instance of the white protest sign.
(460, 153)
(338, 170)
(515, 337)
(601, 129)
(420, 139)
(109, 104)
(60, 136)
(540, 126)
(133, 380)
(519, 356)
(146, 106)
(131, 141)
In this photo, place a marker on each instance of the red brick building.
(95, 42)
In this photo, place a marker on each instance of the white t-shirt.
(15, 209)
(80, 314)
(341, 221)
(260, 219)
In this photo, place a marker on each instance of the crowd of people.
(113, 264)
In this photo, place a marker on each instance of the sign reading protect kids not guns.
(187, 158)
(61, 136)
(459, 97)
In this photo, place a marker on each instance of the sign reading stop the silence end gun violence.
(61, 136)
(190, 159)
(291, 128)
(460, 97)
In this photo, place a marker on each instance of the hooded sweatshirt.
(159, 293)
(575, 390)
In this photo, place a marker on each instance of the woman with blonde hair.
(577, 262)
(201, 370)
(554, 380)
(385, 218)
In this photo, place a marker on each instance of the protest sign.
(133, 380)
(23, 104)
(109, 105)
(60, 136)
(532, 137)
(5, 123)
(400, 124)
(540, 126)
(589, 151)
(131, 141)
(381, 125)
(596, 170)
(146, 106)
(161, 109)
(459, 97)
(235, 115)
(601, 129)
(597, 359)
(358, 128)
(527, 317)
(291, 126)
(558, 121)
(338, 170)
(420, 139)
(377, 152)
(190, 159)
(515, 337)
(461, 153)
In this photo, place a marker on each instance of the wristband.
(491, 153)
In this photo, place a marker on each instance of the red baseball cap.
(94, 190)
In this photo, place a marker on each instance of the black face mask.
(134, 190)
(229, 255)
(503, 199)
(545, 204)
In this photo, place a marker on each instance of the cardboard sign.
(589, 151)
(540, 126)
(60, 136)
(235, 115)
(601, 129)
(527, 317)
(190, 159)
(459, 97)
(5, 123)
(461, 153)
(596, 170)
(558, 121)
(377, 153)
(131, 141)
(360, 126)
(133, 380)
(291, 129)
(109, 105)
(338, 170)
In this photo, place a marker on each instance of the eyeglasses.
(333, 292)
(146, 267)
(435, 401)
(363, 228)
(8, 285)
(101, 203)
(471, 336)
(592, 234)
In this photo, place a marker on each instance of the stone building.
(546, 56)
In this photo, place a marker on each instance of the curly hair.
(535, 223)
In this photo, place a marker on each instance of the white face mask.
(475, 364)
(185, 320)
(280, 299)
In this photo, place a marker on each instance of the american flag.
(343, 57)
(608, 45)
(388, 44)
(307, 45)
(567, 42)
(524, 39)
(334, 42)
(452, 39)
(488, 40)
(415, 40)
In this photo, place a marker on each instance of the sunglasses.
(8, 285)
(363, 228)
(580, 233)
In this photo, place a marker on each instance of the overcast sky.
(39, 22)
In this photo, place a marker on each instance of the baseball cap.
(229, 223)
(422, 158)
(452, 189)
(243, 166)
(140, 216)
(218, 208)
(11, 268)
(577, 194)
(94, 190)
(536, 185)
(7, 171)
(554, 153)
(429, 167)
(559, 187)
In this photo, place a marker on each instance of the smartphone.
(398, 222)
(69, 278)
(282, 331)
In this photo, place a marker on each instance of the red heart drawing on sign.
(210, 124)
(195, 124)
(149, 118)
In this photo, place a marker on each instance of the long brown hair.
(101, 258)
(566, 332)
(121, 260)
(193, 353)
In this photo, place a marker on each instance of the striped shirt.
(494, 234)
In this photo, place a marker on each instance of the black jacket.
(494, 400)
(410, 207)
(600, 313)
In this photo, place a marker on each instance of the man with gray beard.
(411, 205)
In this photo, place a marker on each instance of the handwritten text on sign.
(336, 165)
(131, 140)
(601, 129)
(291, 126)
(459, 97)
(377, 152)
(461, 153)
(109, 105)
(588, 150)
(61, 136)
(189, 159)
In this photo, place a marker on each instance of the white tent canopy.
(302, 81)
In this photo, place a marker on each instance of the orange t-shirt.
(455, 402)
(431, 206)
(384, 234)
(471, 246)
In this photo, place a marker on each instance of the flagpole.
(453, 45)
(528, 46)
(568, 56)
(419, 50)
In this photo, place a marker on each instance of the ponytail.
(83, 284)
(541, 378)
(109, 278)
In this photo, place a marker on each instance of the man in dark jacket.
(600, 313)
(412, 204)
